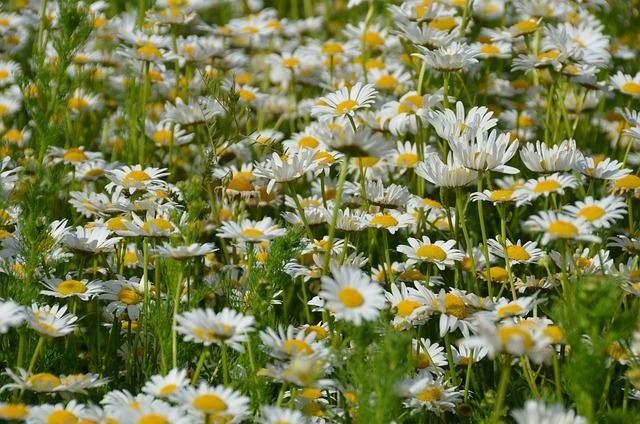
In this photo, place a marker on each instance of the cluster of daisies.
(444, 171)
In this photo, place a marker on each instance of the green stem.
(485, 248)
(334, 218)
(502, 391)
(225, 367)
(33, 361)
(176, 307)
(196, 374)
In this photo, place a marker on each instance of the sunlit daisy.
(545, 186)
(205, 326)
(517, 253)
(545, 159)
(166, 385)
(601, 213)
(626, 84)
(441, 253)
(51, 321)
(345, 102)
(251, 231)
(69, 287)
(11, 315)
(218, 404)
(558, 226)
(537, 412)
(352, 295)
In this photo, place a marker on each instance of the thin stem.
(225, 367)
(176, 307)
(502, 391)
(196, 374)
(33, 361)
(334, 218)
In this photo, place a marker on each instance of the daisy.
(405, 116)
(449, 175)
(156, 411)
(626, 84)
(498, 196)
(11, 315)
(408, 312)
(426, 392)
(283, 345)
(51, 321)
(345, 102)
(14, 411)
(452, 125)
(486, 152)
(600, 213)
(165, 385)
(451, 58)
(84, 289)
(218, 404)
(630, 245)
(125, 296)
(630, 183)
(250, 231)
(517, 253)
(605, 169)
(58, 413)
(92, 170)
(537, 412)
(513, 338)
(428, 356)
(197, 111)
(82, 102)
(347, 220)
(90, 240)
(544, 186)
(393, 196)
(352, 295)
(8, 71)
(440, 253)
(361, 143)
(185, 252)
(392, 220)
(283, 171)
(559, 226)
(167, 134)
(557, 158)
(205, 326)
(135, 178)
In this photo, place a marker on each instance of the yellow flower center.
(297, 346)
(366, 161)
(161, 224)
(308, 141)
(630, 182)
(616, 351)
(431, 251)
(387, 81)
(71, 287)
(350, 297)
(508, 333)
(548, 55)
(321, 333)
(498, 273)
(430, 394)
(546, 185)
(149, 51)
(74, 155)
(346, 106)
(240, 184)
(168, 389)
(631, 87)
(62, 416)
(406, 307)
(501, 195)
(525, 122)
(312, 409)
(77, 103)
(453, 305)
(385, 221)
(526, 27)
(251, 232)
(373, 38)
(407, 160)
(517, 253)
(247, 95)
(117, 223)
(153, 419)
(135, 177)
(209, 403)
(311, 393)
(128, 296)
(290, 62)
(591, 213)
(420, 361)
(332, 48)
(509, 310)
(13, 136)
(563, 228)
(163, 137)
(13, 411)
(555, 333)
(444, 24)
(489, 49)
(44, 379)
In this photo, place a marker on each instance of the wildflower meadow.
(319, 211)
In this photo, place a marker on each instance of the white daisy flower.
(218, 403)
(345, 102)
(207, 327)
(70, 287)
(544, 159)
(451, 58)
(11, 315)
(517, 253)
(51, 321)
(449, 175)
(558, 226)
(601, 213)
(352, 295)
(605, 169)
(250, 231)
(166, 385)
(544, 186)
(535, 412)
(440, 253)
